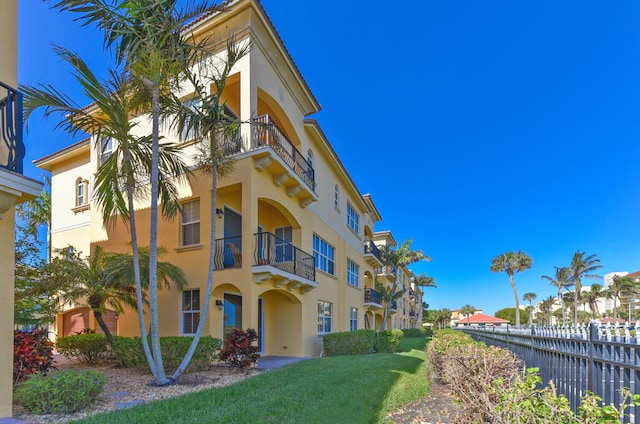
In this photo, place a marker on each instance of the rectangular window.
(353, 219)
(81, 192)
(190, 311)
(191, 223)
(106, 149)
(324, 317)
(353, 319)
(353, 272)
(323, 255)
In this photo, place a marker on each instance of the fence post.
(593, 334)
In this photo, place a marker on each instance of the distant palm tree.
(468, 310)
(546, 306)
(580, 268)
(443, 318)
(561, 281)
(591, 298)
(37, 213)
(619, 286)
(530, 297)
(511, 263)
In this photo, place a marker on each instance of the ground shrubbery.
(239, 350)
(417, 332)
(32, 353)
(60, 392)
(88, 348)
(389, 341)
(358, 342)
(127, 352)
(493, 387)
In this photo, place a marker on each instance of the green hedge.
(358, 342)
(389, 341)
(87, 348)
(128, 352)
(60, 392)
(417, 332)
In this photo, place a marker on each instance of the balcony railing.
(412, 313)
(372, 296)
(228, 253)
(12, 149)
(386, 270)
(266, 132)
(273, 251)
(371, 248)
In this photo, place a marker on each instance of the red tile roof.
(482, 319)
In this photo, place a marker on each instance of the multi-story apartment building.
(295, 257)
(14, 188)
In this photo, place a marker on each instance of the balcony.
(412, 294)
(393, 307)
(388, 271)
(228, 253)
(413, 314)
(12, 148)
(280, 261)
(372, 254)
(290, 169)
(372, 299)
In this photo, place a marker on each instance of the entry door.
(232, 313)
(232, 228)
(284, 250)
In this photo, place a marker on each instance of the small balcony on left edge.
(12, 150)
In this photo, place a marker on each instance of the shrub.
(417, 332)
(358, 342)
(59, 393)
(238, 348)
(389, 341)
(438, 347)
(128, 352)
(87, 348)
(32, 353)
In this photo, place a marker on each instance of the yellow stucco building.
(296, 254)
(14, 188)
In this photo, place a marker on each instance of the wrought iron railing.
(371, 248)
(12, 148)
(372, 296)
(228, 253)
(266, 132)
(393, 306)
(412, 313)
(386, 270)
(274, 251)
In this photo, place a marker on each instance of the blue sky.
(477, 127)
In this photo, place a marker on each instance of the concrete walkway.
(271, 362)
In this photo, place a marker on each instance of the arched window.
(336, 197)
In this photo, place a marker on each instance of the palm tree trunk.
(212, 253)
(575, 300)
(515, 293)
(103, 325)
(158, 368)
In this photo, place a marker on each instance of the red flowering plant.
(32, 354)
(238, 350)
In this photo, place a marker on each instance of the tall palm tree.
(580, 268)
(392, 258)
(620, 286)
(443, 318)
(512, 263)
(546, 305)
(530, 297)
(468, 310)
(561, 281)
(37, 213)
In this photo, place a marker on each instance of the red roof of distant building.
(482, 319)
(633, 274)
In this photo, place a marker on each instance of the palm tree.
(37, 213)
(468, 310)
(443, 317)
(130, 161)
(619, 286)
(530, 297)
(546, 306)
(394, 259)
(562, 281)
(580, 268)
(591, 297)
(511, 263)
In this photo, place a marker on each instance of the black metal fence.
(600, 359)
(12, 148)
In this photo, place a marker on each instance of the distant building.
(481, 320)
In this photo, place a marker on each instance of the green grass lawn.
(342, 389)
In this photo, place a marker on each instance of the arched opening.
(281, 323)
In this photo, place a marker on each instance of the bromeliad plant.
(239, 350)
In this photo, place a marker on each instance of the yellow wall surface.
(7, 226)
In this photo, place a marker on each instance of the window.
(324, 317)
(353, 271)
(191, 223)
(310, 158)
(190, 311)
(81, 192)
(188, 131)
(336, 196)
(323, 254)
(106, 149)
(353, 219)
(353, 319)
(282, 244)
